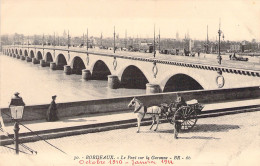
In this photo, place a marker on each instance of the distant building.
(177, 36)
(235, 47)
(188, 44)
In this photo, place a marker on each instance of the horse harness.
(145, 110)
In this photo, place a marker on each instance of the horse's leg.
(152, 122)
(157, 120)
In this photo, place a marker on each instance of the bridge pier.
(152, 88)
(42, 63)
(113, 81)
(67, 69)
(22, 58)
(35, 61)
(28, 59)
(86, 75)
(47, 63)
(52, 65)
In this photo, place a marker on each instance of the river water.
(36, 84)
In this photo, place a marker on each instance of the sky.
(240, 19)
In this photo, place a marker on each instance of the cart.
(183, 115)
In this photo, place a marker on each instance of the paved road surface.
(231, 140)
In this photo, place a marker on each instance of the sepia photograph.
(129, 82)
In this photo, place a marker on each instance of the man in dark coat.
(177, 124)
(17, 100)
(52, 110)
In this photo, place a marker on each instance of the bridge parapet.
(250, 69)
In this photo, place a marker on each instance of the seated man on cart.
(180, 102)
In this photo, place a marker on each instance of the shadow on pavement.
(213, 128)
(78, 120)
(197, 137)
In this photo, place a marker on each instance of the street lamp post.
(154, 53)
(16, 108)
(87, 39)
(219, 35)
(54, 40)
(68, 39)
(114, 39)
(28, 43)
(159, 42)
(101, 40)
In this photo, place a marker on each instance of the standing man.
(52, 110)
(17, 100)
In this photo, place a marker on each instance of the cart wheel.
(186, 116)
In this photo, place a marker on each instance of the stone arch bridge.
(163, 73)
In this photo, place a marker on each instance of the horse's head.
(132, 102)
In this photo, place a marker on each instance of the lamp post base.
(16, 137)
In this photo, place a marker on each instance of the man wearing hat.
(17, 100)
(52, 110)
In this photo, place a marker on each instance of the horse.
(142, 112)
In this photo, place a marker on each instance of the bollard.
(86, 74)
(52, 65)
(113, 81)
(152, 88)
(67, 69)
(42, 63)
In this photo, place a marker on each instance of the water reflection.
(37, 84)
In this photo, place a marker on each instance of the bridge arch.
(25, 53)
(61, 61)
(16, 51)
(31, 54)
(100, 70)
(181, 82)
(39, 55)
(48, 57)
(13, 51)
(133, 78)
(21, 52)
(77, 65)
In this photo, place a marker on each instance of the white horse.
(142, 111)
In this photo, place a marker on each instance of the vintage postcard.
(130, 82)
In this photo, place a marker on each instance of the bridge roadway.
(165, 73)
(204, 59)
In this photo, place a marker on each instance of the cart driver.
(179, 102)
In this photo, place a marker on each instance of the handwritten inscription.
(128, 160)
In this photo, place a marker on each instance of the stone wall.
(38, 112)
